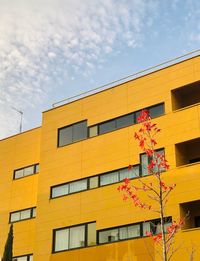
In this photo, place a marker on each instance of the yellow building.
(59, 182)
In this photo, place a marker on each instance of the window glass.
(22, 258)
(156, 110)
(134, 231)
(34, 212)
(132, 173)
(109, 178)
(94, 182)
(137, 114)
(25, 214)
(146, 227)
(31, 258)
(61, 240)
(60, 190)
(19, 173)
(124, 121)
(93, 131)
(107, 127)
(123, 232)
(166, 225)
(65, 136)
(28, 170)
(77, 237)
(110, 235)
(158, 228)
(161, 151)
(144, 164)
(15, 217)
(91, 236)
(36, 168)
(80, 131)
(154, 224)
(78, 186)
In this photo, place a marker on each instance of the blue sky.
(54, 49)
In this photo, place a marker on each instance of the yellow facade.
(100, 154)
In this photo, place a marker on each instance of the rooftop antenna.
(21, 116)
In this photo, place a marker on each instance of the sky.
(54, 49)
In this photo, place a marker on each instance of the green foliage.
(8, 255)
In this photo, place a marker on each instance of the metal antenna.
(21, 116)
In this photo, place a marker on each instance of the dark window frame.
(128, 225)
(118, 227)
(68, 183)
(134, 118)
(115, 120)
(18, 211)
(27, 255)
(69, 227)
(103, 122)
(149, 158)
(68, 126)
(88, 182)
(34, 171)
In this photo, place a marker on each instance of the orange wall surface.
(16, 152)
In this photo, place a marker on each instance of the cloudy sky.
(54, 49)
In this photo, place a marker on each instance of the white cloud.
(40, 40)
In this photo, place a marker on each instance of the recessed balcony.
(185, 96)
(190, 211)
(187, 152)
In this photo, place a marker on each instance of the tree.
(157, 190)
(8, 255)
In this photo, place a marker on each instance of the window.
(185, 96)
(131, 231)
(187, 152)
(129, 173)
(154, 226)
(72, 133)
(78, 186)
(154, 111)
(119, 175)
(80, 131)
(119, 233)
(23, 258)
(95, 181)
(191, 210)
(145, 160)
(116, 123)
(107, 127)
(69, 188)
(77, 237)
(22, 214)
(109, 178)
(26, 171)
(91, 234)
(144, 164)
(60, 190)
(124, 121)
(93, 131)
(109, 235)
(74, 237)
